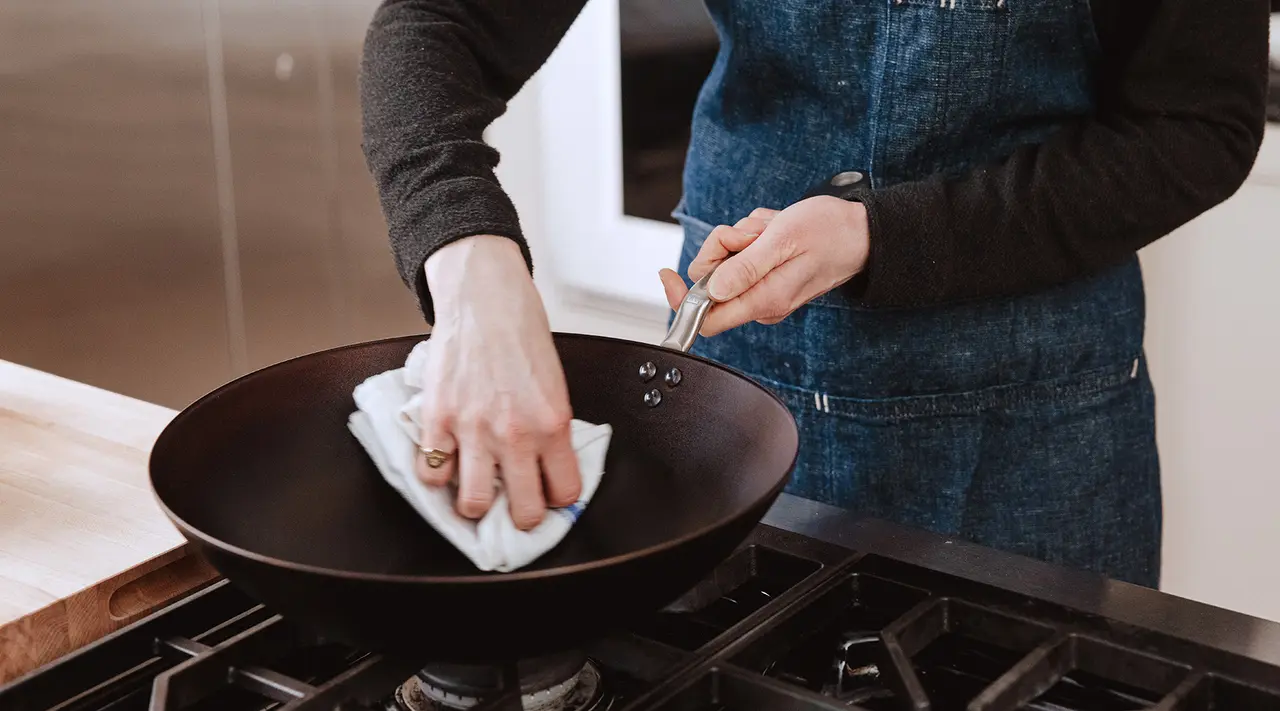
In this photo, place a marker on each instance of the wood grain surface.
(84, 548)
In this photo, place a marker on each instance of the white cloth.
(386, 424)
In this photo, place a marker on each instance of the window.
(667, 48)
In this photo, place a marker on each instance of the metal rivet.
(673, 377)
(846, 178)
(652, 398)
(647, 371)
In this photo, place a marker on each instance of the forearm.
(434, 76)
(1176, 135)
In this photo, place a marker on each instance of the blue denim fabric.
(1025, 423)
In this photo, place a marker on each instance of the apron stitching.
(877, 98)
(971, 402)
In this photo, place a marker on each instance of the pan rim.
(480, 577)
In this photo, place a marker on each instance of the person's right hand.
(494, 390)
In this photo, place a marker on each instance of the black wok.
(264, 478)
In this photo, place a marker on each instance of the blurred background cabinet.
(182, 193)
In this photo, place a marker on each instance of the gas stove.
(817, 610)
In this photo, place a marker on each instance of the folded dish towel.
(386, 424)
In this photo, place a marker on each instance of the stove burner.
(857, 670)
(568, 682)
(480, 681)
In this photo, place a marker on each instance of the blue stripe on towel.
(572, 512)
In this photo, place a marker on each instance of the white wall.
(517, 135)
(1213, 339)
(1214, 346)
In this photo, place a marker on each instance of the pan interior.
(266, 464)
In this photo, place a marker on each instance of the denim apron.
(1023, 423)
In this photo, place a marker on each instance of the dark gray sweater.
(1180, 119)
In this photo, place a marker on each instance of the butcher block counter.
(84, 548)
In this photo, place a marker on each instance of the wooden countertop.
(84, 548)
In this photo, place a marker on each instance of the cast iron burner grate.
(868, 640)
(217, 649)
(787, 622)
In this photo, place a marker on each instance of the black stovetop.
(817, 610)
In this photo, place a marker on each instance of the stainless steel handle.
(689, 317)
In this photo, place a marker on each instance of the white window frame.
(603, 259)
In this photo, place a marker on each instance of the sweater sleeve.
(434, 75)
(1177, 130)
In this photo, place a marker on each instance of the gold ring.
(435, 457)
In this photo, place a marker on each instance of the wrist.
(855, 245)
(478, 261)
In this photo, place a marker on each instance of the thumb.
(674, 287)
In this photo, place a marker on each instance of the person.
(961, 342)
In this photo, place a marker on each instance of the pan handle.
(689, 317)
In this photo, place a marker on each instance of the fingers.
(511, 448)
(674, 287)
(435, 435)
(524, 487)
(755, 223)
(752, 226)
(522, 479)
(751, 265)
(724, 241)
(560, 469)
(719, 245)
(552, 447)
(763, 213)
(476, 470)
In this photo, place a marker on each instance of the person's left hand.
(784, 259)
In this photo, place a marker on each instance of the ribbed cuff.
(445, 213)
(903, 266)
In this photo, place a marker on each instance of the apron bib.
(1023, 423)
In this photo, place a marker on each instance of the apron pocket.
(1082, 390)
